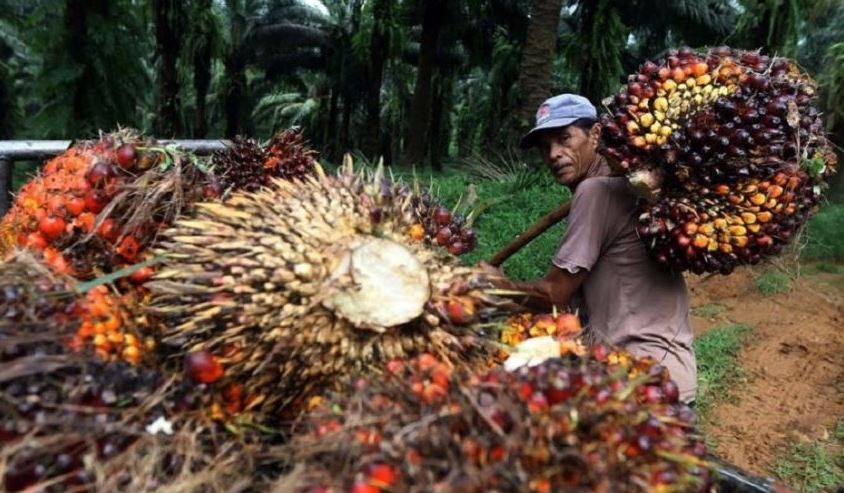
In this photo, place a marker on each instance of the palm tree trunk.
(538, 56)
(202, 75)
(378, 47)
(76, 22)
(7, 107)
(418, 136)
(169, 23)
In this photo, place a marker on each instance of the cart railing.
(17, 150)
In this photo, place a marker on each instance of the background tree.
(537, 56)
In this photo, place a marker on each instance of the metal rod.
(15, 150)
(6, 171)
(42, 149)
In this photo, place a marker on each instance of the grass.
(510, 207)
(717, 370)
(773, 282)
(814, 467)
(823, 268)
(826, 234)
(709, 310)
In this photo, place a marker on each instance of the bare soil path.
(793, 364)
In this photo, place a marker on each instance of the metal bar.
(6, 169)
(42, 149)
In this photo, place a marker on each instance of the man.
(630, 300)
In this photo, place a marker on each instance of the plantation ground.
(786, 389)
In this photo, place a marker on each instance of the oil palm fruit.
(35, 297)
(523, 326)
(696, 131)
(295, 284)
(602, 422)
(246, 165)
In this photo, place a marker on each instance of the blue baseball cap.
(558, 112)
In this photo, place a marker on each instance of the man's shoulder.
(602, 185)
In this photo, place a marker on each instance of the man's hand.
(494, 275)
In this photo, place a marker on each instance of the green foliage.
(87, 76)
(814, 467)
(717, 368)
(826, 234)
(508, 207)
(774, 24)
(773, 282)
(709, 310)
(822, 268)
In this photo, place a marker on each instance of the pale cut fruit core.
(390, 286)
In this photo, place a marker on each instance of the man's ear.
(595, 133)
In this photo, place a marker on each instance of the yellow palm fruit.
(739, 241)
(737, 230)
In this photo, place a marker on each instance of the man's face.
(569, 151)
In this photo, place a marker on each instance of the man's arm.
(554, 290)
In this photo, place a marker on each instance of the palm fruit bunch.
(70, 422)
(728, 148)
(94, 208)
(523, 326)
(284, 289)
(33, 296)
(246, 165)
(441, 226)
(602, 422)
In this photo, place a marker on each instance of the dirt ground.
(793, 362)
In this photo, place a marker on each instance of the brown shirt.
(630, 300)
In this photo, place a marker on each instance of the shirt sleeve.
(585, 235)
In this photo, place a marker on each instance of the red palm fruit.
(203, 367)
(568, 324)
(699, 69)
(126, 156)
(100, 173)
(75, 205)
(457, 248)
(443, 236)
(36, 240)
(460, 311)
(442, 216)
(52, 226)
(108, 230)
(128, 248)
(142, 275)
(56, 205)
(382, 475)
(426, 361)
(95, 200)
(86, 221)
